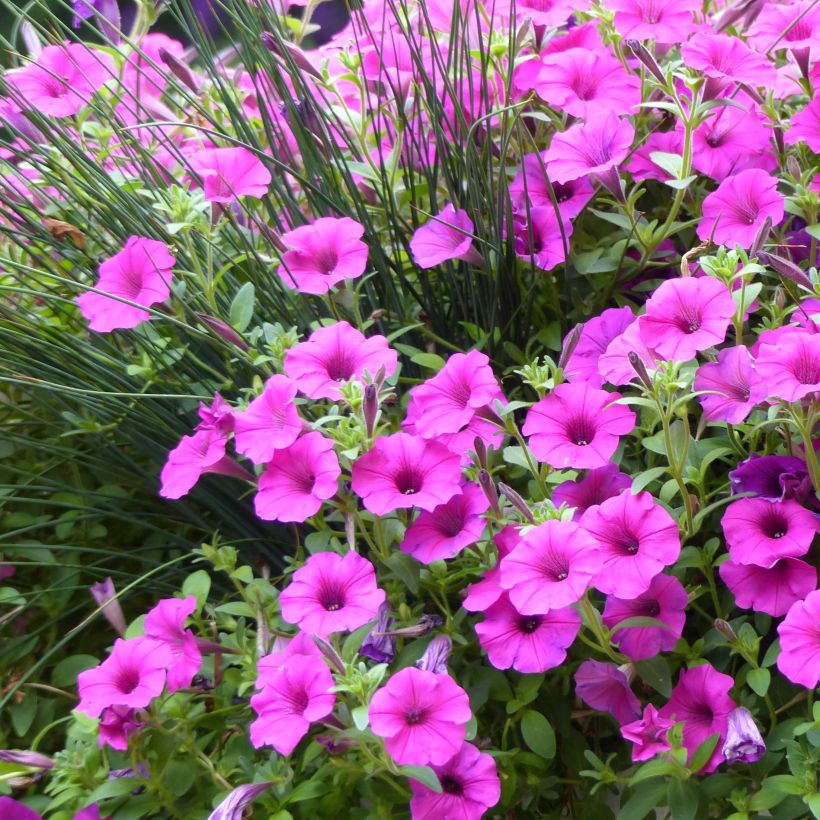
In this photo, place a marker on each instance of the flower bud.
(793, 167)
(646, 57)
(480, 452)
(785, 268)
(488, 486)
(436, 655)
(640, 369)
(725, 629)
(282, 47)
(370, 408)
(105, 596)
(330, 653)
(179, 69)
(22, 757)
(573, 337)
(424, 626)
(515, 499)
(234, 805)
(379, 645)
(761, 237)
(744, 743)
(222, 329)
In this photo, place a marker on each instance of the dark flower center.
(746, 211)
(297, 701)
(414, 716)
(408, 480)
(331, 597)
(326, 260)
(563, 191)
(581, 430)
(449, 522)
(775, 525)
(650, 609)
(449, 785)
(128, 680)
(628, 544)
(805, 368)
(528, 624)
(688, 320)
(340, 365)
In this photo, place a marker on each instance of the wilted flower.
(744, 743)
(436, 655)
(105, 595)
(234, 805)
(377, 645)
(604, 687)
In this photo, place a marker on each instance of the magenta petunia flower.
(117, 724)
(447, 236)
(298, 479)
(790, 369)
(805, 126)
(701, 700)
(733, 384)
(737, 210)
(447, 402)
(594, 488)
(334, 354)
(577, 426)
(270, 422)
(637, 539)
(62, 80)
(773, 589)
(14, 810)
(332, 593)
(484, 593)
(526, 643)
(595, 147)
(323, 254)
(548, 13)
(447, 529)
(762, 532)
(794, 26)
(550, 568)
(643, 167)
(686, 315)
(665, 600)
(585, 83)
(141, 273)
(293, 695)
(659, 20)
(403, 471)
(228, 173)
(615, 366)
(422, 717)
(596, 335)
(166, 623)
(541, 239)
(721, 57)
(647, 735)
(604, 687)
(531, 187)
(469, 787)
(132, 676)
(774, 478)
(799, 658)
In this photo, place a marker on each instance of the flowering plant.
(479, 348)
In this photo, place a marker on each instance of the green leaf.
(407, 569)
(66, 671)
(702, 754)
(197, 584)
(22, 714)
(671, 163)
(429, 360)
(114, 788)
(772, 652)
(638, 621)
(813, 802)
(679, 184)
(538, 734)
(307, 790)
(813, 231)
(654, 768)
(645, 799)
(360, 717)
(785, 784)
(759, 680)
(683, 799)
(655, 672)
(241, 311)
(424, 774)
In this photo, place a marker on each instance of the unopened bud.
(223, 330)
(573, 337)
(485, 481)
(480, 452)
(515, 499)
(725, 629)
(105, 596)
(370, 408)
(640, 369)
(780, 298)
(378, 644)
(22, 757)
(424, 626)
(792, 167)
(760, 237)
(646, 57)
(787, 269)
(179, 69)
(330, 653)
(437, 655)
(282, 47)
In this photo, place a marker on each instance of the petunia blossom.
(637, 538)
(526, 643)
(605, 687)
(805, 126)
(166, 623)
(762, 532)
(737, 210)
(140, 273)
(229, 173)
(132, 676)
(799, 658)
(594, 488)
(531, 187)
(744, 743)
(543, 237)
(659, 20)
(577, 426)
(550, 568)
(446, 236)
(596, 335)
(648, 734)
(774, 478)
(773, 589)
(469, 787)
(334, 354)
(117, 724)
(332, 593)
(298, 480)
(422, 717)
(484, 593)
(724, 58)
(732, 386)
(403, 471)
(323, 254)
(790, 369)
(615, 365)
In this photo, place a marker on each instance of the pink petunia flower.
(293, 695)
(541, 239)
(550, 568)
(484, 593)
(447, 402)
(531, 187)
(643, 167)
(332, 593)
(686, 315)
(141, 273)
(270, 422)
(117, 724)
(737, 210)
(726, 58)
(614, 364)
(228, 173)
(794, 26)
(14, 810)
(805, 126)
(595, 147)
(790, 369)
(62, 80)
(298, 479)
(335, 354)
(772, 590)
(422, 717)
(659, 20)
(594, 488)
(734, 386)
(762, 532)
(446, 530)
(469, 787)
(132, 676)
(799, 658)
(323, 254)
(166, 623)
(701, 700)
(637, 539)
(403, 471)
(577, 426)
(526, 643)
(585, 83)
(447, 236)
(604, 687)
(548, 13)
(596, 335)
(647, 735)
